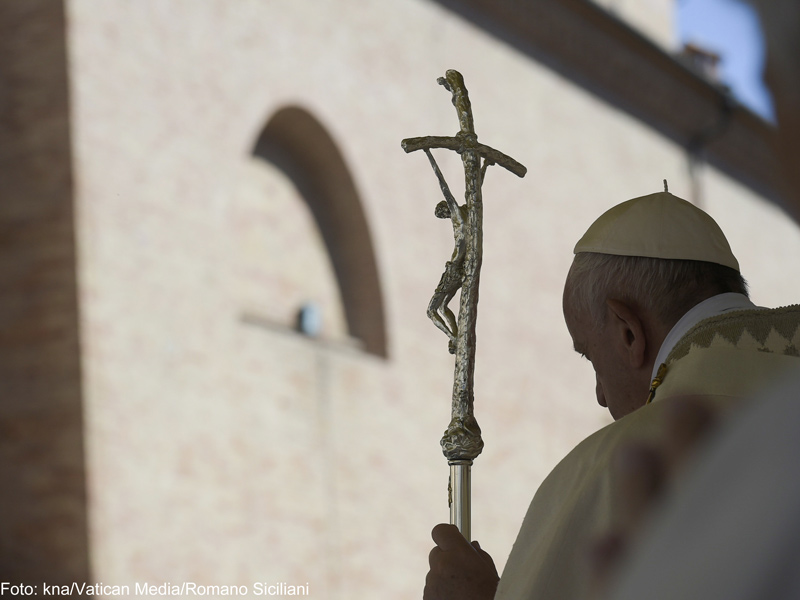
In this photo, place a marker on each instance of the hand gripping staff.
(462, 441)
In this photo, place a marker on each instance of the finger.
(448, 537)
(428, 592)
(435, 558)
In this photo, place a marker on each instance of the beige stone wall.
(764, 238)
(227, 450)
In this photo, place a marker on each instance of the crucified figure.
(453, 276)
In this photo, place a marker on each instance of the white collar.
(716, 305)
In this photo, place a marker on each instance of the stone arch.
(297, 143)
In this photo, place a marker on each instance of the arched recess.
(298, 144)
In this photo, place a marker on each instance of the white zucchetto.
(659, 225)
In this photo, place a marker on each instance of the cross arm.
(432, 141)
(459, 144)
(504, 160)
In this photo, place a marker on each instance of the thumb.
(448, 537)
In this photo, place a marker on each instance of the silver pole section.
(460, 496)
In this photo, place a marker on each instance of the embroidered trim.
(774, 330)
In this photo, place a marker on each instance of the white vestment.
(726, 357)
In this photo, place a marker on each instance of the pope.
(655, 301)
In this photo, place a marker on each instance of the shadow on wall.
(299, 145)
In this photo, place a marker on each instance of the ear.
(627, 329)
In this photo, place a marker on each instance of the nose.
(601, 397)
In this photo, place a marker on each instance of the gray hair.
(666, 287)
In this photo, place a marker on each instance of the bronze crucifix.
(462, 441)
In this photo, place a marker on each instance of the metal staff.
(462, 441)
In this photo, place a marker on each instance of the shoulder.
(579, 477)
(571, 505)
(641, 423)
